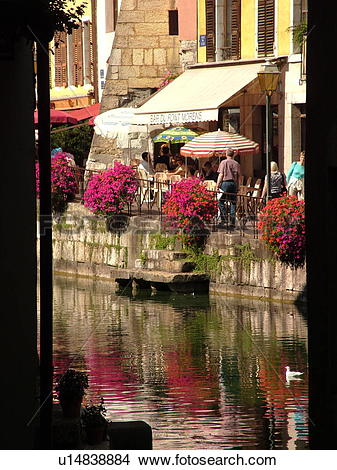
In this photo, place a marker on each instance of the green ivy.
(161, 242)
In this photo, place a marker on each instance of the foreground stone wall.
(83, 246)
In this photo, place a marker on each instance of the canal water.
(206, 372)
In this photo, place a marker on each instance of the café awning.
(86, 112)
(197, 94)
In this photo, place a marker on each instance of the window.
(88, 53)
(210, 30)
(60, 58)
(111, 13)
(304, 11)
(231, 119)
(74, 57)
(77, 65)
(173, 23)
(266, 28)
(232, 25)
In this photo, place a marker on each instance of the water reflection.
(203, 372)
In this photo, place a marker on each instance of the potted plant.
(71, 389)
(94, 423)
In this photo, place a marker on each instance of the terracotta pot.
(71, 407)
(95, 434)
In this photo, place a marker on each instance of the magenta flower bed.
(282, 227)
(110, 191)
(63, 180)
(188, 206)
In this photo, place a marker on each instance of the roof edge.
(226, 63)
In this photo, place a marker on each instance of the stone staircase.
(167, 270)
(165, 260)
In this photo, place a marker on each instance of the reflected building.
(203, 374)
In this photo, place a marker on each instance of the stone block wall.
(82, 245)
(141, 54)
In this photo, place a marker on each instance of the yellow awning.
(197, 94)
(70, 92)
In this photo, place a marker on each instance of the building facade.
(248, 30)
(79, 61)
(152, 39)
(235, 37)
(73, 77)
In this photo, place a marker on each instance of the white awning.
(197, 94)
(117, 123)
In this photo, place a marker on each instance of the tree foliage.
(76, 141)
(43, 18)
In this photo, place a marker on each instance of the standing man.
(228, 182)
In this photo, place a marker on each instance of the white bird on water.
(292, 374)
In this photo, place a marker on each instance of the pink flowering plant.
(63, 181)
(188, 207)
(282, 227)
(109, 191)
(168, 78)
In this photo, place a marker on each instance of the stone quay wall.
(238, 265)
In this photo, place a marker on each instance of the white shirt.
(146, 166)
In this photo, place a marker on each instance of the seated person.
(145, 164)
(181, 169)
(192, 166)
(173, 162)
(164, 155)
(208, 172)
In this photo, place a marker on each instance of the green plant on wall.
(203, 262)
(245, 254)
(143, 258)
(300, 32)
(161, 242)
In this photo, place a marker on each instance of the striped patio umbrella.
(215, 143)
(175, 135)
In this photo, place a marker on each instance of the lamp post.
(268, 79)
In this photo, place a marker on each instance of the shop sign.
(167, 118)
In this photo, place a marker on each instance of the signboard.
(181, 117)
(202, 40)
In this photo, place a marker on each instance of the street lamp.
(268, 79)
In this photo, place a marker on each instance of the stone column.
(18, 248)
(142, 52)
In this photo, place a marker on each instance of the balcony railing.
(150, 197)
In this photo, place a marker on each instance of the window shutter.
(91, 55)
(266, 28)
(61, 77)
(57, 60)
(236, 30)
(210, 30)
(77, 57)
(63, 54)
